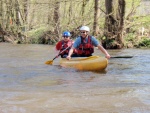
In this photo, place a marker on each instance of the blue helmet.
(66, 33)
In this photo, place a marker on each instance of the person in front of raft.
(64, 45)
(84, 44)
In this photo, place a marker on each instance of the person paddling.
(84, 45)
(64, 45)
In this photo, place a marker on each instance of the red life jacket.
(85, 48)
(64, 46)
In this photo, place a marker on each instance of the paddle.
(121, 57)
(50, 62)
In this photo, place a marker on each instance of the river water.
(27, 85)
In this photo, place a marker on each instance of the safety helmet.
(85, 28)
(66, 33)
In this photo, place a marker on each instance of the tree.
(1, 13)
(114, 23)
(26, 8)
(56, 18)
(96, 17)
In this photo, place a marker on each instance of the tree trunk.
(83, 7)
(26, 8)
(1, 13)
(84, 3)
(114, 25)
(1, 21)
(7, 17)
(120, 15)
(32, 18)
(26, 27)
(17, 14)
(57, 19)
(70, 12)
(96, 17)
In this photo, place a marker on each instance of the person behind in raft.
(84, 44)
(66, 42)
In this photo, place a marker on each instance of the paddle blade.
(50, 62)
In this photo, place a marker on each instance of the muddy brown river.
(27, 85)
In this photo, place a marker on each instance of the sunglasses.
(82, 32)
(66, 36)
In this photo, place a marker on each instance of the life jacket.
(85, 48)
(64, 46)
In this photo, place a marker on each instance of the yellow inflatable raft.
(93, 63)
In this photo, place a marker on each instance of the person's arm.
(104, 51)
(75, 45)
(70, 53)
(97, 44)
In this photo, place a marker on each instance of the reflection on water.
(27, 85)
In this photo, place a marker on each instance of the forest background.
(116, 23)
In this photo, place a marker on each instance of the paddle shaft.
(61, 52)
(121, 57)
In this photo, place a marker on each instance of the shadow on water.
(75, 70)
